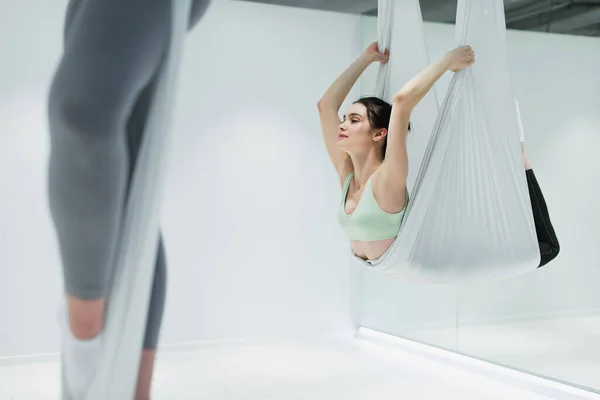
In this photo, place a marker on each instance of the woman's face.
(355, 132)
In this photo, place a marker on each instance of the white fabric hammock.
(130, 293)
(469, 215)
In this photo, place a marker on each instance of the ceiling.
(574, 17)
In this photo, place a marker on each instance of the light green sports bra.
(368, 222)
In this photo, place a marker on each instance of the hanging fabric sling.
(469, 215)
(409, 56)
(128, 303)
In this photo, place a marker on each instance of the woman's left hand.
(373, 52)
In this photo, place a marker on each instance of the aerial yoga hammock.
(107, 91)
(470, 212)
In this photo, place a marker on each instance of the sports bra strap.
(347, 185)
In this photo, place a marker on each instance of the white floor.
(290, 371)
(566, 349)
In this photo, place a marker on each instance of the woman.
(368, 151)
(98, 106)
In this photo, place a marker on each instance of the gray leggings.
(98, 106)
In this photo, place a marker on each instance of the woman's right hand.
(373, 53)
(460, 58)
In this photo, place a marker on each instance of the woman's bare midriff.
(371, 250)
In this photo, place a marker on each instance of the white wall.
(249, 219)
(557, 85)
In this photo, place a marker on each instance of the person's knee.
(86, 317)
(79, 115)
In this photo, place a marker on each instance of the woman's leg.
(155, 313)
(112, 50)
(547, 240)
(135, 132)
